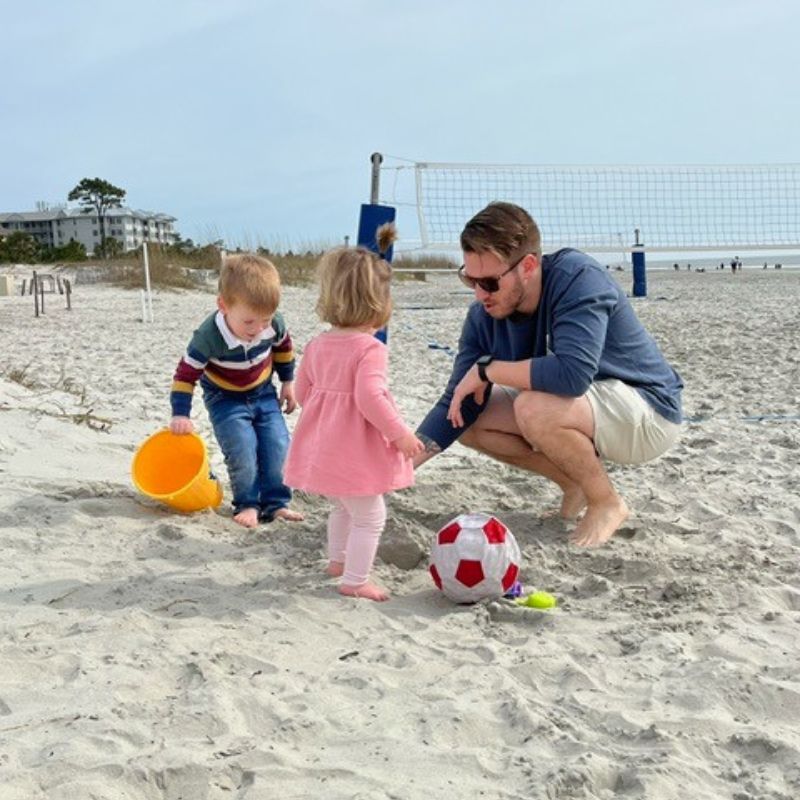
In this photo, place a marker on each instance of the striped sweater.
(220, 358)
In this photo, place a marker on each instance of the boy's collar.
(234, 341)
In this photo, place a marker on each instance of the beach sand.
(146, 654)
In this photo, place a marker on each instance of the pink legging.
(354, 529)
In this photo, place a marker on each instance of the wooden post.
(68, 292)
(35, 293)
(41, 291)
(148, 312)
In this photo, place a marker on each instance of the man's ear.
(221, 304)
(530, 265)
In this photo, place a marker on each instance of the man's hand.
(471, 383)
(181, 425)
(287, 401)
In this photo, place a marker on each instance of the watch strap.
(482, 364)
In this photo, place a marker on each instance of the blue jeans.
(251, 431)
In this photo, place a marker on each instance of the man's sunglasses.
(489, 285)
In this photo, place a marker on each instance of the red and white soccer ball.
(474, 557)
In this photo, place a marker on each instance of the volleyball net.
(599, 208)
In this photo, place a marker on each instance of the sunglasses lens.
(465, 279)
(489, 285)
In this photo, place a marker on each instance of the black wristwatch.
(481, 364)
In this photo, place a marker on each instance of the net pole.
(375, 185)
(639, 271)
(372, 216)
(421, 221)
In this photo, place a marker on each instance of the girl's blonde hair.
(252, 280)
(355, 284)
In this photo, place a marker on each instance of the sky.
(254, 121)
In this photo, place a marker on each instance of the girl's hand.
(287, 401)
(181, 425)
(409, 445)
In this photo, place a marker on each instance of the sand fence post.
(147, 296)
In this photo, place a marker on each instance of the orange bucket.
(174, 470)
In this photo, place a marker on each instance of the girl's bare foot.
(335, 569)
(367, 590)
(289, 515)
(247, 517)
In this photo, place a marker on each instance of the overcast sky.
(254, 121)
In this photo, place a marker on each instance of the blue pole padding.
(372, 216)
(639, 272)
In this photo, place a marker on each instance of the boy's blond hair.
(354, 288)
(250, 279)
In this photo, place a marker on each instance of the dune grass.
(172, 269)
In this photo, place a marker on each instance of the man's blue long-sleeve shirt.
(583, 330)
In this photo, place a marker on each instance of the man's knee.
(541, 413)
(529, 411)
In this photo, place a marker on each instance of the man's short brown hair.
(505, 229)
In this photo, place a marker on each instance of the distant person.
(721, 265)
(350, 443)
(733, 265)
(765, 265)
(675, 267)
(233, 354)
(554, 372)
(689, 267)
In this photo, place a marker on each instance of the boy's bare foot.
(335, 569)
(600, 523)
(289, 515)
(248, 517)
(367, 590)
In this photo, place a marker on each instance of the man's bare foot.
(600, 523)
(335, 569)
(367, 590)
(289, 515)
(573, 503)
(248, 517)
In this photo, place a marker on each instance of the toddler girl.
(351, 444)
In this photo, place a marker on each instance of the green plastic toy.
(540, 600)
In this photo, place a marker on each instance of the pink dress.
(341, 446)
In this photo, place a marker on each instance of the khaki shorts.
(627, 429)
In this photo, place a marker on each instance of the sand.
(146, 654)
